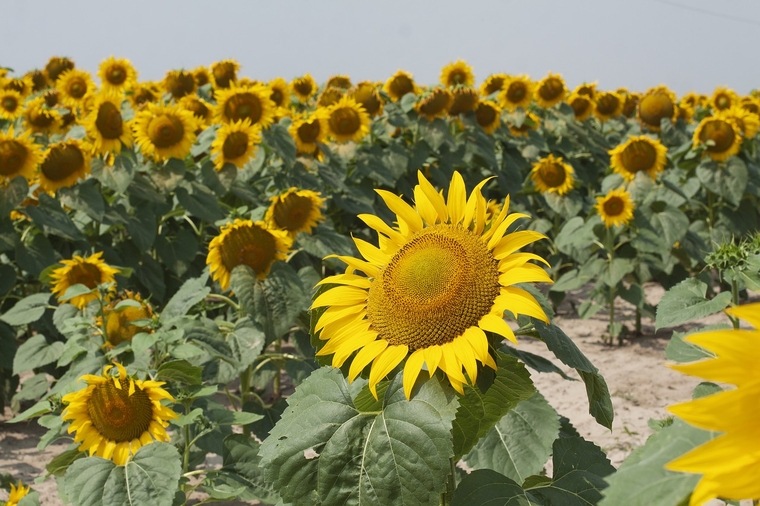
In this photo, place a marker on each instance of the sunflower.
(39, 80)
(202, 76)
(347, 120)
(723, 134)
(723, 98)
(684, 111)
(179, 83)
(164, 131)
(105, 125)
(693, 99)
(144, 93)
(552, 175)
(17, 493)
(517, 92)
(73, 85)
(64, 163)
(224, 73)
(202, 110)
(639, 154)
(295, 211)
(22, 85)
(280, 92)
(339, 81)
(608, 105)
(655, 105)
(57, 65)
(586, 89)
(10, 104)
(728, 463)
(19, 156)
(308, 131)
(530, 122)
(235, 143)
(493, 84)
(41, 119)
(120, 326)
(488, 115)
(90, 272)
(245, 242)
(114, 416)
(457, 73)
(464, 99)
(550, 91)
(748, 122)
(303, 87)
(329, 96)
(117, 75)
(251, 102)
(434, 103)
(365, 94)
(438, 280)
(631, 104)
(399, 84)
(615, 208)
(750, 104)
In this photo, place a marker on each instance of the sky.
(689, 45)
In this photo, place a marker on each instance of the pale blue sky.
(686, 44)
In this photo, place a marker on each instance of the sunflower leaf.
(687, 301)
(277, 301)
(486, 486)
(52, 219)
(27, 310)
(36, 352)
(13, 194)
(281, 142)
(190, 293)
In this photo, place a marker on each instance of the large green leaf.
(85, 197)
(520, 443)
(687, 301)
(281, 142)
(117, 176)
(678, 350)
(323, 450)
(487, 487)
(36, 352)
(27, 310)
(241, 469)
(190, 293)
(725, 179)
(669, 222)
(576, 237)
(199, 201)
(479, 411)
(52, 219)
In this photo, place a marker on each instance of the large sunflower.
(582, 106)
(365, 94)
(347, 120)
(723, 98)
(164, 131)
(245, 242)
(655, 105)
(64, 164)
(39, 118)
(399, 84)
(224, 73)
(235, 143)
(438, 280)
(57, 65)
(516, 92)
(434, 103)
(552, 175)
(303, 87)
(19, 155)
(295, 211)
(117, 75)
(748, 122)
(121, 319)
(488, 115)
(179, 83)
(10, 104)
(250, 102)
(493, 84)
(457, 73)
(464, 99)
(105, 125)
(550, 91)
(615, 208)
(114, 416)
(308, 131)
(639, 154)
(723, 134)
(608, 105)
(17, 493)
(729, 463)
(90, 272)
(73, 85)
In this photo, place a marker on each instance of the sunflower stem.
(222, 298)
(186, 434)
(638, 321)
(610, 246)
(735, 299)
(276, 385)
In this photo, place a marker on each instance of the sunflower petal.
(366, 355)
(384, 363)
(457, 198)
(341, 296)
(518, 301)
(412, 370)
(493, 323)
(408, 218)
(434, 198)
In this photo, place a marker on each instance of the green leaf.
(41, 408)
(27, 310)
(36, 255)
(325, 241)
(324, 450)
(190, 293)
(520, 443)
(487, 487)
(434, 132)
(178, 252)
(729, 179)
(242, 466)
(643, 481)
(86, 197)
(62, 461)
(52, 219)
(181, 371)
(686, 301)
(678, 350)
(479, 411)
(281, 142)
(12, 194)
(142, 227)
(536, 362)
(36, 352)
(616, 270)
(118, 176)
(227, 417)
(31, 499)
(199, 201)
(33, 388)
(669, 222)
(575, 238)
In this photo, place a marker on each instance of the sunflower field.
(324, 284)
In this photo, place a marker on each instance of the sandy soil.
(639, 381)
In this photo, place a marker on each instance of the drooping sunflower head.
(235, 143)
(608, 105)
(582, 106)
(202, 110)
(39, 79)
(720, 136)
(73, 85)
(63, 164)
(164, 131)
(342, 82)
(280, 92)
(105, 124)
(464, 99)
(19, 156)
(458, 73)
(308, 131)
(488, 115)
(517, 92)
(639, 154)
(147, 92)
(723, 98)
(90, 272)
(655, 105)
(224, 73)
(586, 89)
(179, 83)
(239, 103)
(747, 122)
(303, 87)
(17, 493)
(39, 118)
(631, 104)
(748, 103)
(245, 242)
(347, 120)
(57, 65)
(552, 175)
(434, 103)
(399, 84)
(365, 94)
(329, 97)
(202, 76)
(435, 284)
(550, 91)
(493, 83)
(117, 75)
(11, 104)
(295, 211)
(530, 122)
(124, 320)
(116, 415)
(615, 208)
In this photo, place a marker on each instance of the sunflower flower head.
(615, 208)
(116, 415)
(434, 103)
(365, 94)
(245, 102)
(309, 130)
(464, 99)
(330, 96)
(202, 110)
(639, 154)
(493, 83)
(224, 73)
(90, 272)
(721, 137)
(430, 290)
(57, 65)
(179, 83)
(608, 105)
(117, 75)
(235, 143)
(747, 121)
(17, 493)
(655, 105)
(11, 104)
(164, 131)
(630, 103)
(280, 92)
(144, 93)
(517, 92)
(64, 163)
(587, 90)
(73, 85)
(750, 104)
(723, 98)
(550, 91)
(399, 84)
(488, 115)
(21, 85)
(202, 76)
(303, 87)
(122, 320)
(347, 120)
(295, 211)
(340, 81)
(105, 124)
(19, 155)
(552, 175)
(40, 118)
(458, 73)
(582, 106)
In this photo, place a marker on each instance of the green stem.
(638, 321)
(221, 298)
(245, 386)
(735, 299)
(186, 435)
(276, 386)
(611, 257)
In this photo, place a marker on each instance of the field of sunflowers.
(323, 284)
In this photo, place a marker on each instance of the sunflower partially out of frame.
(116, 415)
(19, 155)
(615, 208)
(639, 154)
(90, 272)
(295, 211)
(435, 284)
(552, 175)
(164, 131)
(747, 121)
(235, 143)
(17, 493)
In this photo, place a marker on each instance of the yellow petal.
(433, 356)
(347, 279)
(412, 370)
(471, 210)
(358, 264)
(371, 253)
(497, 325)
(507, 245)
(408, 219)
(384, 364)
(451, 365)
(748, 312)
(377, 224)
(528, 273)
(348, 347)
(518, 301)
(434, 198)
(341, 296)
(365, 356)
(457, 198)
(424, 206)
(333, 314)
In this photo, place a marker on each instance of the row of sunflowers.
(195, 234)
